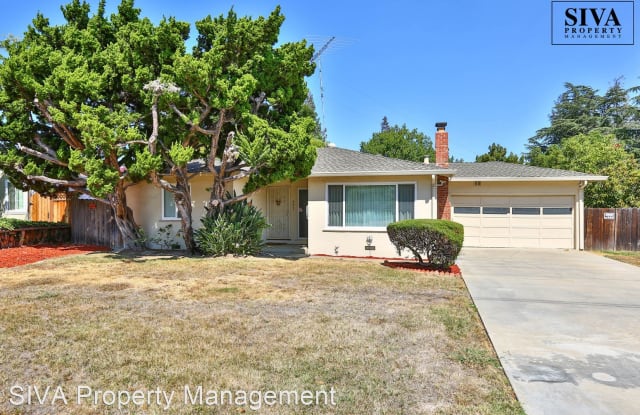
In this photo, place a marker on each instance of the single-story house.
(14, 203)
(343, 206)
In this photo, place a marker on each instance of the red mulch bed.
(416, 266)
(13, 257)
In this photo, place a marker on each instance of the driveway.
(565, 325)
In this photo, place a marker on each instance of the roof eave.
(529, 179)
(385, 173)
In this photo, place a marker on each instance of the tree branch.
(42, 156)
(240, 176)
(43, 146)
(62, 130)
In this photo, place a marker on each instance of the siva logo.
(592, 23)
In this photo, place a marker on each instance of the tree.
(498, 153)
(384, 125)
(599, 154)
(399, 142)
(73, 105)
(581, 110)
(237, 102)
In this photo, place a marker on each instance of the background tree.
(599, 154)
(73, 105)
(399, 142)
(384, 125)
(498, 153)
(581, 110)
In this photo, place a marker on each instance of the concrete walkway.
(565, 325)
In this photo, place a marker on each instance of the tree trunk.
(182, 197)
(129, 230)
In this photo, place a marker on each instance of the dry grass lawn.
(386, 341)
(630, 257)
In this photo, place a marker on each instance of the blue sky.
(487, 68)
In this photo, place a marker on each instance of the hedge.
(438, 240)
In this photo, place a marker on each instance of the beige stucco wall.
(351, 242)
(146, 202)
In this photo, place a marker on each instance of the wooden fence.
(612, 229)
(92, 223)
(49, 209)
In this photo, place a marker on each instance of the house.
(14, 203)
(344, 205)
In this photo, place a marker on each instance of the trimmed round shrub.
(438, 240)
(237, 230)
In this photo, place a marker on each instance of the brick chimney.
(442, 145)
(442, 160)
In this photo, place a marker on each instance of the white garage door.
(515, 221)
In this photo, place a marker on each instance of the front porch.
(285, 205)
(285, 250)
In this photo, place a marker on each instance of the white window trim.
(164, 217)
(364, 228)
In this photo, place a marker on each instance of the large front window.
(371, 205)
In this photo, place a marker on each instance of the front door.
(303, 222)
(278, 213)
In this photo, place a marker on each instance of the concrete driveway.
(565, 325)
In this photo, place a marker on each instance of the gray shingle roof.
(333, 161)
(511, 171)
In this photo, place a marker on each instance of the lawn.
(353, 337)
(630, 257)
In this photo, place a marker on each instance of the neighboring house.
(344, 205)
(15, 202)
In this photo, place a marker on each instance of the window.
(169, 209)
(15, 198)
(374, 205)
(474, 210)
(556, 211)
(495, 210)
(525, 211)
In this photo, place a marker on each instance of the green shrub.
(237, 230)
(438, 240)
(10, 224)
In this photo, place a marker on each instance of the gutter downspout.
(434, 196)
(580, 214)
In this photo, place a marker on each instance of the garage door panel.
(526, 201)
(496, 201)
(494, 242)
(525, 222)
(526, 228)
(556, 233)
(525, 233)
(525, 242)
(497, 221)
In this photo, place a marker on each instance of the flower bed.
(453, 270)
(13, 257)
(33, 236)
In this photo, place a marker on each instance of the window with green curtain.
(168, 205)
(335, 205)
(370, 205)
(406, 201)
